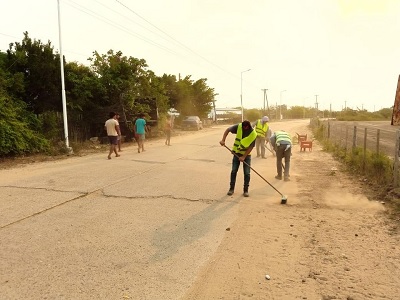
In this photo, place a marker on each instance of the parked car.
(192, 122)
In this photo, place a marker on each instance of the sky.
(337, 53)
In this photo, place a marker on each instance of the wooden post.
(329, 130)
(378, 136)
(354, 137)
(365, 148)
(347, 137)
(396, 161)
(396, 106)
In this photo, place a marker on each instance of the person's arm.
(117, 128)
(226, 132)
(273, 141)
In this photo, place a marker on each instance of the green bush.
(18, 133)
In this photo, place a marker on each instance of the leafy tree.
(125, 79)
(119, 75)
(170, 90)
(18, 127)
(252, 114)
(202, 97)
(187, 96)
(39, 68)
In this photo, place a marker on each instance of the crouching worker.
(282, 144)
(244, 143)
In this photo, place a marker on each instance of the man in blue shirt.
(140, 131)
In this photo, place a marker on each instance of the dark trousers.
(246, 171)
(280, 154)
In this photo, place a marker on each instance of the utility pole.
(266, 99)
(345, 107)
(316, 105)
(215, 110)
(63, 95)
(265, 93)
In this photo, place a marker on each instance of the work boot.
(231, 191)
(246, 192)
(286, 178)
(278, 177)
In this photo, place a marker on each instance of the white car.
(192, 122)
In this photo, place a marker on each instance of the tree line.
(31, 101)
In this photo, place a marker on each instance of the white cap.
(265, 119)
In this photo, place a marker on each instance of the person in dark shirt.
(242, 147)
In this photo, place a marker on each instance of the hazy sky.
(345, 51)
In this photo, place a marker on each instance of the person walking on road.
(282, 144)
(242, 147)
(117, 116)
(113, 133)
(263, 134)
(140, 132)
(168, 129)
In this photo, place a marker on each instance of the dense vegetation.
(31, 103)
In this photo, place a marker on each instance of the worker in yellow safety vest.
(282, 144)
(244, 143)
(263, 134)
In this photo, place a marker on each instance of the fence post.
(354, 137)
(396, 161)
(329, 130)
(378, 136)
(347, 137)
(365, 148)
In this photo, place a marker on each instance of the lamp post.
(241, 90)
(280, 105)
(63, 96)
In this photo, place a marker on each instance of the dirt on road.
(333, 240)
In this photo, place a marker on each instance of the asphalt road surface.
(151, 225)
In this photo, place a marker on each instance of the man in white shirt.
(113, 133)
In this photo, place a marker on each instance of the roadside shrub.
(17, 130)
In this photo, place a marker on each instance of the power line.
(116, 25)
(175, 40)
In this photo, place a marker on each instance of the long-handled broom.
(283, 199)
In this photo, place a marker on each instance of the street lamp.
(241, 90)
(63, 96)
(280, 105)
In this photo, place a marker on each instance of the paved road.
(139, 226)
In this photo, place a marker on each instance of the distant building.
(224, 114)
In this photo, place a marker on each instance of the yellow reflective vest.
(261, 129)
(241, 144)
(282, 136)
